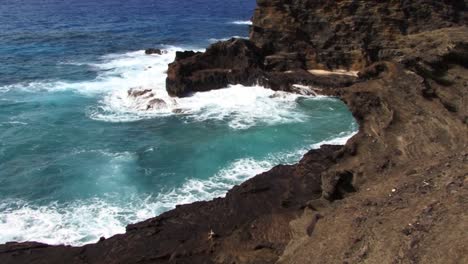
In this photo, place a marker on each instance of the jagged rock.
(346, 34)
(180, 55)
(138, 92)
(284, 81)
(284, 62)
(230, 62)
(154, 51)
(156, 103)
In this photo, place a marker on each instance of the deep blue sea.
(81, 159)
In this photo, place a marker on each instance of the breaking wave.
(85, 221)
(242, 107)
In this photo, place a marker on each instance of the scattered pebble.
(211, 235)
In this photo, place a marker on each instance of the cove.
(81, 159)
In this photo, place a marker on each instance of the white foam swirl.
(241, 22)
(82, 222)
(85, 221)
(241, 107)
(213, 40)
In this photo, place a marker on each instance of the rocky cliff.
(395, 193)
(346, 34)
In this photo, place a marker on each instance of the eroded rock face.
(236, 61)
(239, 61)
(346, 34)
(290, 37)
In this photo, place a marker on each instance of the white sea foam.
(73, 224)
(295, 155)
(81, 222)
(241, 22)
(241, 107)
(341, 139)
(84, 221)
(213, 40)
(16, 123)
(116, 72)
(4, 89)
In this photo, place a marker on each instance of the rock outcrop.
(289, 38)
(236, 61)
(395, 193)
(154, 51)
(346, 34)
(240, 61)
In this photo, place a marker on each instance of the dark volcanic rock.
(153, 51)
(284, 81)
(290, 37)
(346, 34)
(180, 55)
(138, 92)
(230, 62)
(284, 62)
(238, 61)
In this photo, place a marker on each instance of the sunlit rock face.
(346, 34)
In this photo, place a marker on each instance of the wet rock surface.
(236, 61)
(154, 51)
(289, 38)
(395, 193)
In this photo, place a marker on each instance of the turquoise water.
(81, 159)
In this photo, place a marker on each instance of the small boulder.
(136, 92)
(156, 103)
(154, 51)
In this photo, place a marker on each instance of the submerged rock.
(144, 99)
(154, 51)
(138, 92)
(156, 103)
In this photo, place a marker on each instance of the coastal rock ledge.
(395, 193)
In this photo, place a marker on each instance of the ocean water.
(81, 159)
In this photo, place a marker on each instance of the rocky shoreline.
(395, 193)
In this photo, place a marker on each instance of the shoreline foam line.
(241, 22)
(213, 40)
(242, 107)
(83, 222)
